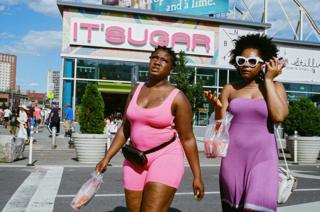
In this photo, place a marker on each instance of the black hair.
(170, 51)
(262, 43)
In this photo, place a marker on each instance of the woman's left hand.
(273, 68)
(198, 189)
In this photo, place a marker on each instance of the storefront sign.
(140, 37)
(194, 7)
(303, 64)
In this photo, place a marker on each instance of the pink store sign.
(141, 37)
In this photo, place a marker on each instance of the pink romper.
(151, 127)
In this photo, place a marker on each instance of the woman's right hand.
(102, 166)
(198, 189)
(213, 99)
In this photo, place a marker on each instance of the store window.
(87, 69)
(207, 76)
(67, 93)
(223, 77)
(298, 90)
(110, 70)
(315, 88)
(68, 68)
(115, 70)
(143, 72)
(294, 96)
(297, 87)
(234, 76)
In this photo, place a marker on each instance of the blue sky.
(31, 29)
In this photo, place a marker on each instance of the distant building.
(37, 97)
(16, 98)
(53, 84)
(8, 64)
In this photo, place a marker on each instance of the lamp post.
(11, 99)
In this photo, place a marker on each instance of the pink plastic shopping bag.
(87, 191)
(216, 139)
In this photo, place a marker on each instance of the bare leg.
(157, 197)
(133, 200)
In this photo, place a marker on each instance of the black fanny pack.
(138, 157)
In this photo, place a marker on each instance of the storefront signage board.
(193, 7)
(303, 64)
(140, 37)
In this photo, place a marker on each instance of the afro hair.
(262, 43)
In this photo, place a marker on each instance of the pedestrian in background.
(14, 122)
(29, 124)
(156, 111)
(54, 118)
(256, 103)
(43, 116)
(1, 116)
(7, 114)
(23, 121)
(37, 117)
(47, 112)
(68, 120)
(107, 125)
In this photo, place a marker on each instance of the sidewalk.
(43, 153)
(62, 155)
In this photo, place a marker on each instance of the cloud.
(42, 39)
(33, 84)
(5, 35)
(47, 7)
(10, 2)
(34, 43)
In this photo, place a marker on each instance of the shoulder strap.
(137, 91)
(277, 136)
(173, 94)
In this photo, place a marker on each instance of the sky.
(32, 30)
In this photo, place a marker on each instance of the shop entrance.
(114, 102)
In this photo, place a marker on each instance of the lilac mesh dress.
(249, 172)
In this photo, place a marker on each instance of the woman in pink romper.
(249, 172)
(155, 112)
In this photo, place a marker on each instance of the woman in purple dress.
(249, 172)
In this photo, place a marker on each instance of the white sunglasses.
(251, 61)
